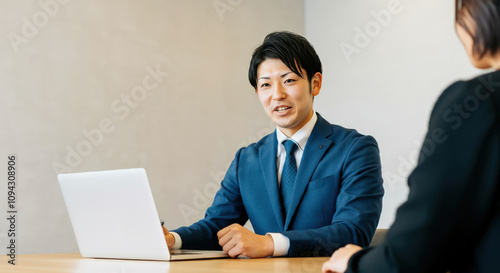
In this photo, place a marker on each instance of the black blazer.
(451, 221)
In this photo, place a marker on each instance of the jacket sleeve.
(226, 209)
(449, 190)
(358, 205)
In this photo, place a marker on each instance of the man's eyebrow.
(268, 78)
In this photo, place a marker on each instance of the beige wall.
(95, 85)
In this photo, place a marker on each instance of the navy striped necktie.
(288, 175)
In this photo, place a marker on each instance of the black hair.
(485, 16)
(292, 49)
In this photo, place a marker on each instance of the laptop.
(113, 215)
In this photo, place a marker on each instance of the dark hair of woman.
(480, 18)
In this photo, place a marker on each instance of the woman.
(451, 221)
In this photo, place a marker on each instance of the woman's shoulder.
(467, 96)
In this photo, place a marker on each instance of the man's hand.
(340, 259)
(237, 240)
(168, 237)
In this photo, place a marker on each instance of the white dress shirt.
(281, 242)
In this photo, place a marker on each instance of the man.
(308, 188)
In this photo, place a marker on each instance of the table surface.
(74, 262)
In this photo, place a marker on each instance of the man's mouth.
(281, 109)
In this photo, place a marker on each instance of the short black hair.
(292, 49)
(485, 15)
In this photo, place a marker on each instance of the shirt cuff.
(281, 244)
(178, 240)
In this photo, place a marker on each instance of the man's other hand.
(237, 240)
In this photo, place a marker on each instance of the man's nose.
(278, 92)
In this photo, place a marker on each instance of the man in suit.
(308, 188)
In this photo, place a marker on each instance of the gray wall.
(73, 67)
(385, 64)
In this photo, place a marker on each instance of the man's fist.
(237, 240)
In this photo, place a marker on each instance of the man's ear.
(316, 81)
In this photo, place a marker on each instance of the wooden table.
(72, 262)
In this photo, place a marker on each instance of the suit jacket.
(451, 221)
(337, 197)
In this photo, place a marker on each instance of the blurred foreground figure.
(451, 221)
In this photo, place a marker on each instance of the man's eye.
(264, 85)
(289, 80)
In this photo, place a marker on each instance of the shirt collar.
(300, 137)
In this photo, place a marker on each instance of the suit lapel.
(267, 156)
(316, 146)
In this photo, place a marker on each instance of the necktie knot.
(290, 147)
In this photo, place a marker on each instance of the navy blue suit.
(337, 197)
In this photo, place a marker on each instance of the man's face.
(286, 97)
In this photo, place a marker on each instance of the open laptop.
(114, 216)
